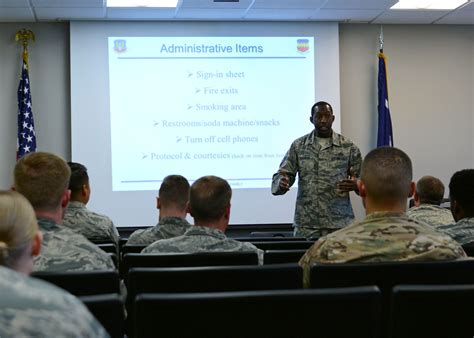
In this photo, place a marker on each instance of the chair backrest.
(349, 312)
(271, 239)
(109, 311)
(469, 249)
(184, 259)
(133, 248)
(283, 245)
(108, 247)
(282, 256)
(83, 283)
(388, 274)
(214, 278)
(432, 311)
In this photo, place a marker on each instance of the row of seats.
(270, 278)
(421, 311)
(266, 244)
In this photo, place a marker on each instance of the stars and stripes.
(26, 141)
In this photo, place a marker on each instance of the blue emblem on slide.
(120, 45)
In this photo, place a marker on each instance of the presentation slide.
(151, 99)
(206, 105)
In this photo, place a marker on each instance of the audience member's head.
(429, 190)
(209, 202)
(79, 183)
(386, 180)
(173, 196)
(20, 238)
(43, 178)
(461, 194)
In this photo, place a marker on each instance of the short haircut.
(42, 178)
(461, 190)
(209, 197)
(319, 104)
(430, 190)
(79, 177)
(174, 191)
(387, 174)
(18, 226)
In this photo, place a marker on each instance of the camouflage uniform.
(168, 227)
(33, 308)
(432, 214)
(93, 226)
(64, 250)
(319, 206)
(201, 239)
(382, 236)
(462, 231)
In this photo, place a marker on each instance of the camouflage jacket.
(93, 226)
(33, 308)
(432, 214)
(64, 250)
(381, 236)
(168, 227)
(201, 239)
(462, 231)
(319, 169)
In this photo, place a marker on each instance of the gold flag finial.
(25, 35)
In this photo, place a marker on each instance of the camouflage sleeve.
(307, 260)
(288, 165)
(355, 161)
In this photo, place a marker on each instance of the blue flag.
(385, 134)
(26, 141)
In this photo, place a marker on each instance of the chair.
(109, 311)
(108, 247)
(214, 278)
(388, 274)
(133, 248)
(280, 313)
(185, 259)
(272, 234)
(432, 311)
(283, 245)
(469, 249)
(271, 239)
(83, 283)
(282, 256)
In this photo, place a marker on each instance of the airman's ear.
(361, 187)
(412, 189)
(36, 247)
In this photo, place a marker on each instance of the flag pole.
(381, 39)
(24, 36)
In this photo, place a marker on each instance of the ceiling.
(366, 11)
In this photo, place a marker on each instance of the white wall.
(49, 74)
(430, 77)
(431, 90)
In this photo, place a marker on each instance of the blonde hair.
(18, 226)
(42, 178)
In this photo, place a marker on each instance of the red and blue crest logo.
(302, 45)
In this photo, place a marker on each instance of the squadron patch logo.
(302, 45)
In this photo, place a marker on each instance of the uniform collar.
(197, 230)
(335, 138)
(46, 224)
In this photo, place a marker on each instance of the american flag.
(26, 142)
